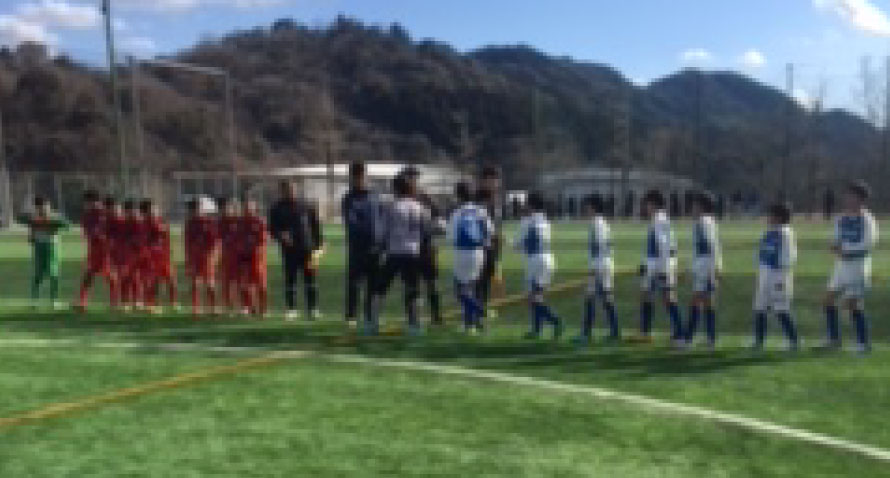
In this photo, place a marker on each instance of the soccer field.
(102, 395)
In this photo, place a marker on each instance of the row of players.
(128, 244)
(130, 247)
(854, 241)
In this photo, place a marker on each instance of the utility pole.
(116, 98)
(789, 116)
(697, 154)
(137, 112)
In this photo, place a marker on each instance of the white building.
(568, 188)
(317, 182)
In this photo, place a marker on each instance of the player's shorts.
(775, 291)
(255, 273)
(230, 269)
(201, 268)
(539, 272)
(704, 276)
(851, 279)
(98, 261)
(468, 265)
(601, 280)
(657, 281)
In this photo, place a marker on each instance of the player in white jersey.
(533, 241)
(601, 276)
(707, 265)
(659, 269)
(403, 224)
(470, 232)
(775, 276)
(855, 237)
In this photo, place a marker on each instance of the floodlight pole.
(116, 98)
(789, 113)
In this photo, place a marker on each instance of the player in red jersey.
(115, 224)
(131, 244)
(156, 267)
(229, 233)
(254, 240)
(95, 231)
(201, 252)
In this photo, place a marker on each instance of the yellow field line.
(62, 409)
(515, 298)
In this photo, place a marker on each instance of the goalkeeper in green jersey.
(44, 228)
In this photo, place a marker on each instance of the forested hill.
(375, 93)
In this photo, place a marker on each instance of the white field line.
(643, 402)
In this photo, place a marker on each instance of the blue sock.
(861, 324)
(693, 322)
(759, 328)
(676, 321)
(646, 318)
(833, 321)
(469, 312)
(614, 331)
(711, 325)
(548, 314)
(589, 317)
(788, 326)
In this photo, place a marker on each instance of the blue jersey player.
(855, 236)
(775, 278)
(470, 232)
(601, 276)
(707, 265)
(659, 269)
(533, 241)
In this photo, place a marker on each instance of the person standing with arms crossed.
(296, 227)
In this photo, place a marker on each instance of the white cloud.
(804, 99)
(696, 56)
(862, 15)
(60, 13)
(179, 6)
(15, 30)
(752, 60)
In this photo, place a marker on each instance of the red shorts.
(98, 261)
(254, 272)
(230, 269)
(201, 268)
(161, 266)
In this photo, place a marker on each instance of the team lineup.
(395, 234)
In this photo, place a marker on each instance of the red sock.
(211, 297)
(113, 292)
(84, 290)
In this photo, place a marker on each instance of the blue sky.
(645, 39)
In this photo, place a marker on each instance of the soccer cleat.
(641, 339)
(492, 313)
(292, 315)
(315, 314)
(828, 346)
(862, 349)
(414, 331)
(351, 324)
(582, 341)
(80, 309)
(558, 330)
(531, 335)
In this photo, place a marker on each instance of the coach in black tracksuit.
(295, 224)
(360, 209)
